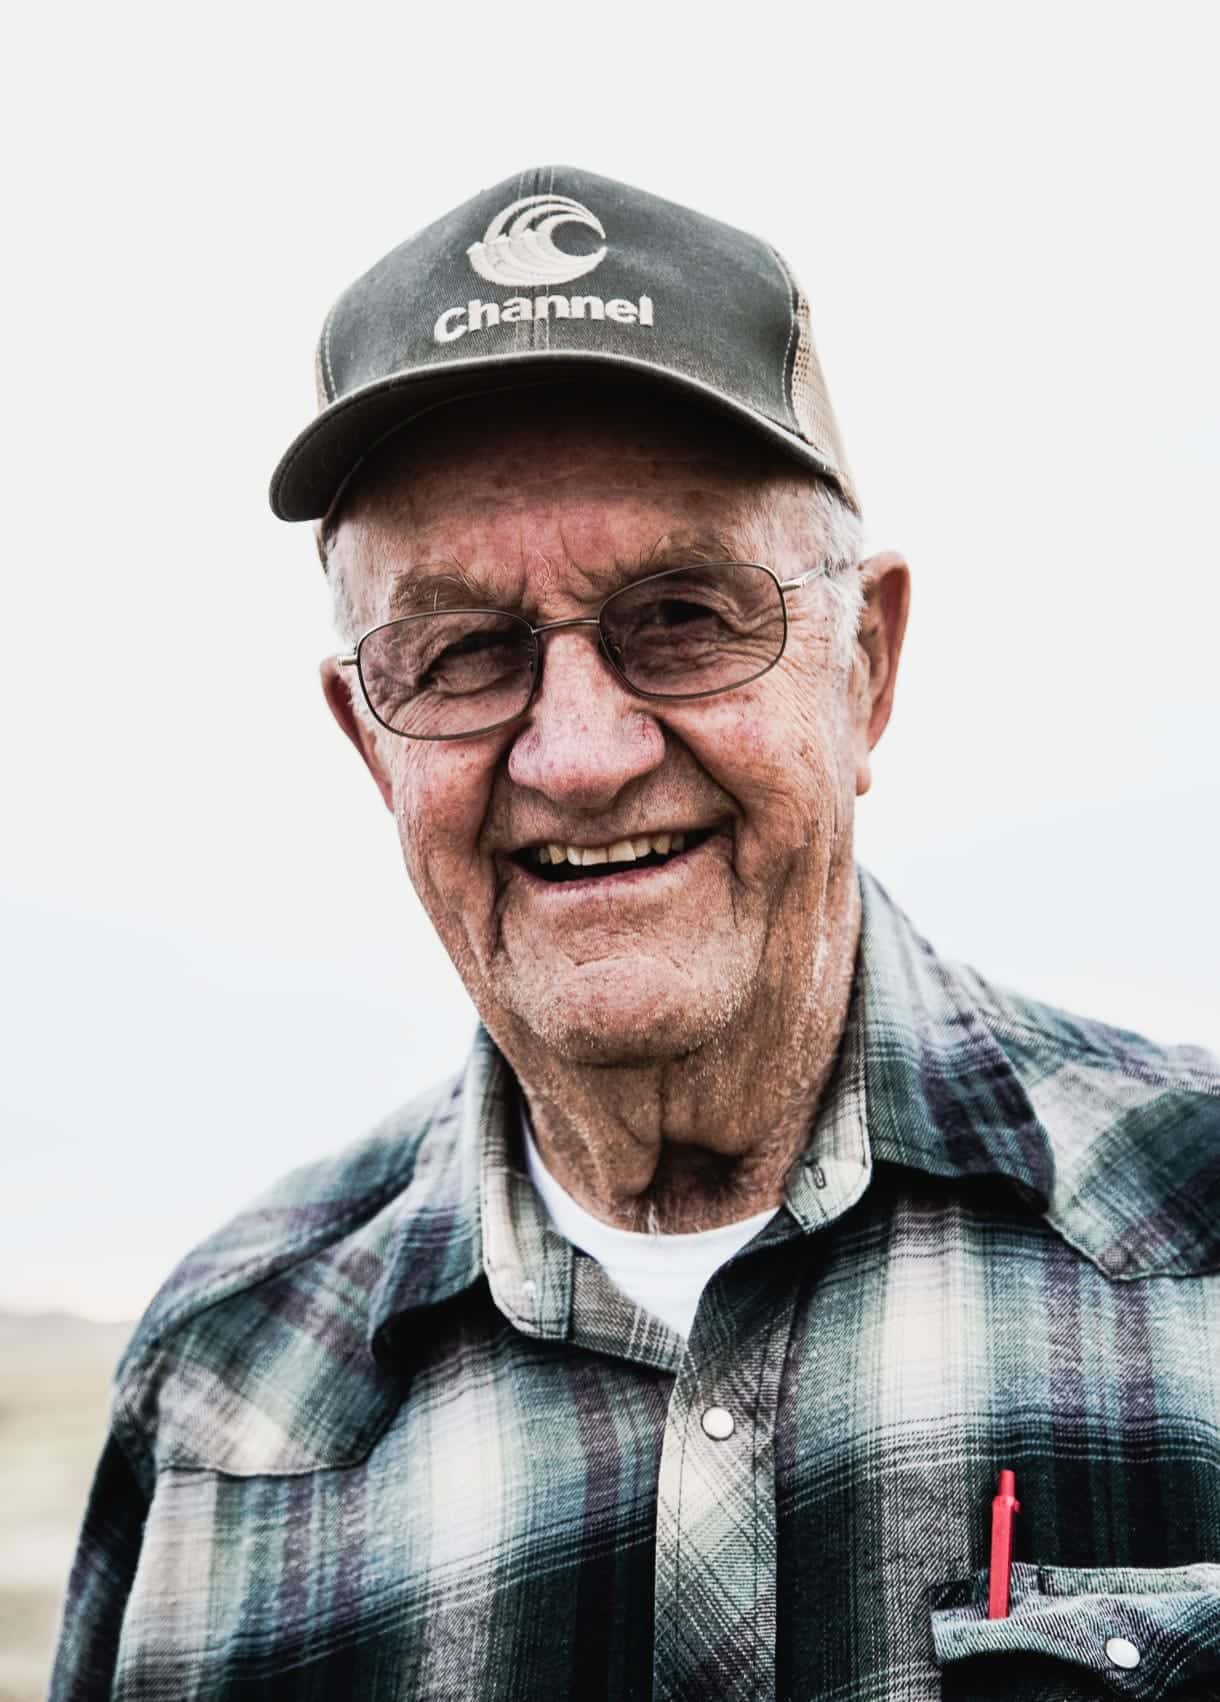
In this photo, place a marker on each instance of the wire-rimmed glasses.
(684, 633)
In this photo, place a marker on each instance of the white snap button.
(718, 1423)
(529, 1288)
(1122, 1653)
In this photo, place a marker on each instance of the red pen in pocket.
(1003, 1507)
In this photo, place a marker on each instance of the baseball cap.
(559, 274)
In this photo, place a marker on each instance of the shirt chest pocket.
(1082, 1635)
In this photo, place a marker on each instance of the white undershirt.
(665, 1274)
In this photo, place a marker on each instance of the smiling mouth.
(557, 863)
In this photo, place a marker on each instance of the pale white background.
(1005, 216)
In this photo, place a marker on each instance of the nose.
(587, 736)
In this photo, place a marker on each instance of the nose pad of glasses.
(613, 651)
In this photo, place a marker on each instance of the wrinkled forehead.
(605, 475)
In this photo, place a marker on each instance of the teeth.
(622, 850)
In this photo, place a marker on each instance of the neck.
(708, 1138)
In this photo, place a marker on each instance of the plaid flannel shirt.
(388, 1436)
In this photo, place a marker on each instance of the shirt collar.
(434, 1250)
(942, 1095)
(921, 1080)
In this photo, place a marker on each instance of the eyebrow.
(413, 592)
(421, 589)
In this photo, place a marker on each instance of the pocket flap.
(1147, 1631)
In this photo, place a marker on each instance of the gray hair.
(840, 534)
(840, 543)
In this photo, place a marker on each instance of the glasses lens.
(438, 676)
(696, 629)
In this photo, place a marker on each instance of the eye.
(676, 622)
(695, 630)
(470, 650)
(673, 612)
(475, 661)
(417, 672)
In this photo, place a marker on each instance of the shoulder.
(1046, 1037)
(274, 1305)
(1134, 1128)
(301, 1216)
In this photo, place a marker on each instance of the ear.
(887, 598)
(338, 684)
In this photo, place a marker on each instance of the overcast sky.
(1005, 218)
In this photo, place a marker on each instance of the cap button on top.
(718, 1423)
(1121, 1652)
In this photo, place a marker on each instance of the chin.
(600, 1016)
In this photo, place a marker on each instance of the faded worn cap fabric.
(554, 275)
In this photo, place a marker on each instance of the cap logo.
(524, 251)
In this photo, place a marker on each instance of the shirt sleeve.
(100, 1581)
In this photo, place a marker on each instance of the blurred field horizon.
(55, 1372)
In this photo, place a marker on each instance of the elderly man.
(675, 1348)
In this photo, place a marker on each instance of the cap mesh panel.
(811, 403)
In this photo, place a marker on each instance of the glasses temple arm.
(804, 578)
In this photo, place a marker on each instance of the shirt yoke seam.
(131, 1376)
(1184, 1081)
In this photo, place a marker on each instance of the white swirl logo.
(524, 251)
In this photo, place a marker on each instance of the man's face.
(548, 505)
